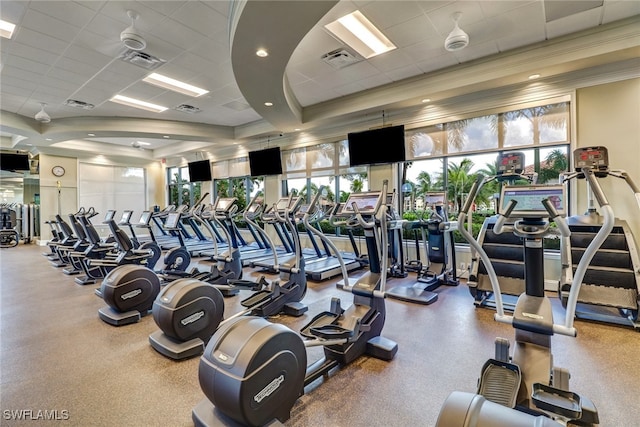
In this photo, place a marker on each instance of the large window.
(448, 157)
(181, 190)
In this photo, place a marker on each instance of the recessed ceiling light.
(534, 76)
(297, 129)
(48, 139)
(143, 143)
(262, 53)
(91, 134)
(6, 29)
(268, 104)
(425, 100)
(136, 103)
(174, 85)
(166, 136)
(358, 32)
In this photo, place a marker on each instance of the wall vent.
(340, 58)
(141, 59)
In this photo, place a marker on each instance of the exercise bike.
(252, 371)
(525, 389)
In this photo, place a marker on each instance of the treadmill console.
(172, 220)
(145, 218)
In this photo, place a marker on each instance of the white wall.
(609, 115)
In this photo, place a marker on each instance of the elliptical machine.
(526, 387)
(253, 371)
(441, 254)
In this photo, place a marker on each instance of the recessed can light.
(262, 53)
(268, 104)
(425, 100)
(534, 76)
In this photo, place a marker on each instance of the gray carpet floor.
(57, 356)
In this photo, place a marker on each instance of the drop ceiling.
(70, 50)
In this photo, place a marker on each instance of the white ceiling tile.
(479, 50)
(391, 60)
(411, 32)
(164, 7)
(204, 20)
(375, 81)
(45, 24)
(573, 23)
(91, 4)
(83, 54)
(437, 62)
(27, 65)
(13, 11)
(32, 53)
(348, 89)
(442, 18)
(498, 7)
(398, 74)
(41, 41)
(68, 12)
(385, 14)
(310, 93)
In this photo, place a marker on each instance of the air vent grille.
(141, 59)
(185, 108)
(340, 58)
(78, 104)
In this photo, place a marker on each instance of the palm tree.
(556, 162)
(459, 181)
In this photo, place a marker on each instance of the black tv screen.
(265, 162)
(200, 171)
(376, 146)
(14, 162)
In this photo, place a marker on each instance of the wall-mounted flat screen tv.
(14, 162)
(377, 146)
(200, 171)
(265, 162)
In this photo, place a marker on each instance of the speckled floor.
(57, 356)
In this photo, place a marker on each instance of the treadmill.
(330, 264)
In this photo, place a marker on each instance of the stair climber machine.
(610, 291)
(441, 255)
(503, 249)
(252, 371)
(525, 389)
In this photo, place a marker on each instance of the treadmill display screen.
(225, 203)
(172, 220)
(529, 200)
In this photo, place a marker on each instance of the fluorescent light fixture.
(136, 103)
(6, 29)
(359, 33)
(174, 85)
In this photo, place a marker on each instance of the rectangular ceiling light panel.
(359, 33)
(6, 29)
(174, 85)
(136, 103)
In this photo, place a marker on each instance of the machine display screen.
(530, 198)
(172, 220)
(366, 202)
(432, 199)
(224, 203)
(145, 217)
